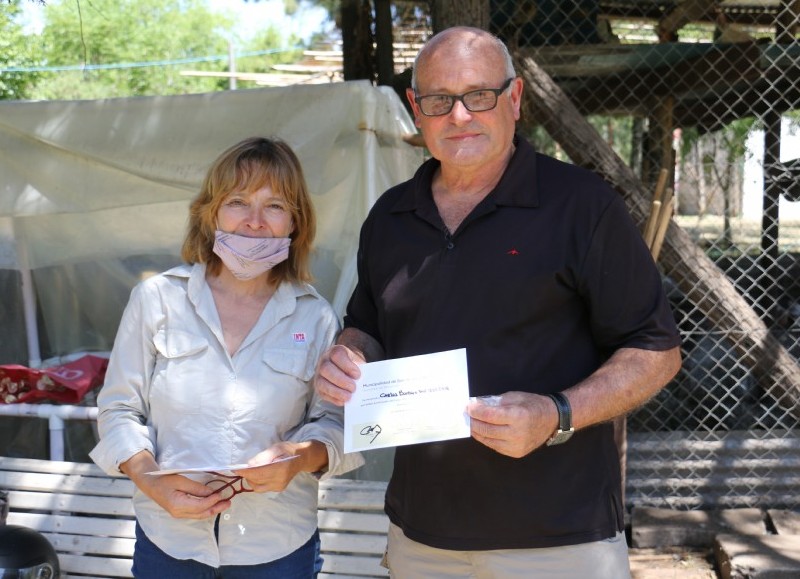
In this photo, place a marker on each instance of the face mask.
(249, 257)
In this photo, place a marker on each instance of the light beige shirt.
(172, 388)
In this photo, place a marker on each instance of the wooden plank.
(67, 483)
(680, 15)
(95, 566)
(348, 521)
(359, 566)
(85, 545)
(53, 466)
(353, 543)
(352, 494)
(70, 503)
(47, 523)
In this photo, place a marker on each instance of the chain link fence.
(710, 91)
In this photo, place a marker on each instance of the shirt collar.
(516, 188)
(196, 274)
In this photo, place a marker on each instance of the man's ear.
(413, 103)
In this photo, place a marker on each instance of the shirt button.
(226, 516)
(450, 245)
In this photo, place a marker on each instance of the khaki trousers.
(607, 559)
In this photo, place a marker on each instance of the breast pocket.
(179, 377)
(287, 374)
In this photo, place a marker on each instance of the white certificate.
(226, 470)
(408, 401)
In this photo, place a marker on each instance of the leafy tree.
(266, 48)
(113, 48)
(17, 51)
(722, 155)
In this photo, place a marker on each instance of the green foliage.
(16, 51)
(733, 136)
(267, 41)
(146, 36)
(615, 130)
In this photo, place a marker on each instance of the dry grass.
(746, 234)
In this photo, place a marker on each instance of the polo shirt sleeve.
(623, 288)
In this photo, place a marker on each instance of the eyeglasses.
(475, 101)
(228, 485)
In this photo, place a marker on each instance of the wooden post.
(447, 13)
(384, 45)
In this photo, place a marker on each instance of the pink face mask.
(249, 257)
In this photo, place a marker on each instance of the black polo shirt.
(541, 283)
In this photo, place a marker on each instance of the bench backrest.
(88, 517)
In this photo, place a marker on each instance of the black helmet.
(26, 554)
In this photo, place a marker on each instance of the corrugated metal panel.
(696, 470)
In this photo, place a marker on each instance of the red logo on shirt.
(299, 337)
(512, 252)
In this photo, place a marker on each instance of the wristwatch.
(565, 429)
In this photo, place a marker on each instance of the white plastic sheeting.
(94, 194)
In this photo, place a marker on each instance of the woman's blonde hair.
(248, 166)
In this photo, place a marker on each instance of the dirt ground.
(672, 563)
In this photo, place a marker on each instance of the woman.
(212, 365)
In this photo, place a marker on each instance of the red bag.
(67, 383)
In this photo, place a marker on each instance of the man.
(535, 267)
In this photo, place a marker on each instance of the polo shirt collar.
(516, 187)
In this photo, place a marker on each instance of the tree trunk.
(383, 42)
(357, 42)
(447, 13)
(703, 283)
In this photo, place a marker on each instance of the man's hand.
(337, 372)
(520, 424)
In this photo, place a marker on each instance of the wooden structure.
(694, 272)
(88, 517)
(710, 84)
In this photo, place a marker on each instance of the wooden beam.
(680, 16)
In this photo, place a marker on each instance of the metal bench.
(88, 517)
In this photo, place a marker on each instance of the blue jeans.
(150, 562)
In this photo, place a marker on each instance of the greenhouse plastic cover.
(94, 195)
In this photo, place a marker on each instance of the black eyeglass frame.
(460, 97)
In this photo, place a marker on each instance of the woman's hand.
(180, 496)
(311, 456)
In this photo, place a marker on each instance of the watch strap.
(565, 429)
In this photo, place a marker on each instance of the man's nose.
(460, 111)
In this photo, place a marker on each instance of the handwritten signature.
(374, 431)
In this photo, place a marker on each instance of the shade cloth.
(94, 194)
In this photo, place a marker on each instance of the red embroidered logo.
(299, 337)
(512, 252)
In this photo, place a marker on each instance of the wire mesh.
(708, 90)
